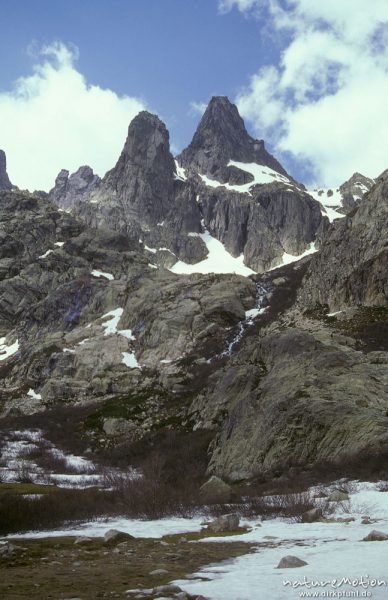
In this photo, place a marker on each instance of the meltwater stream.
(250, 316)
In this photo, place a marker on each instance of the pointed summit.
(143, 177)
(221, 136)
(5, 183)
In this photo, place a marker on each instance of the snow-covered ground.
(337, 560)
(7, 350)
(333, 551)
(16, 465)
(219, 260)
(330, 200)
(137, 527)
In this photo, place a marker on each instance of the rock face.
(70, 190)
(5, 183)
(294, 395)
(164, 203)
(351, 267)
(263, 226)
(142, 197)
(143, 177)
(220, 137)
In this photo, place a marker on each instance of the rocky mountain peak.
(353, 190)
(143, 177)
(5, 183)
(147, 148)
(221, 136)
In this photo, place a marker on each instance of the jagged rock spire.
(5, 183)
(221, 136)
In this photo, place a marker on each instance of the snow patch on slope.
(330, 200)
(219, 260)
(96, 273)
(262, 175)
(6, 351)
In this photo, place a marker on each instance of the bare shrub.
(24, 473)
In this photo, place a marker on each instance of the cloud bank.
(325, 103)
(54, 119)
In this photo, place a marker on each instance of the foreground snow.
(333, 551)
(338, 561)
(136, 527)
(219, 260)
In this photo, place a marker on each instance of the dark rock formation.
(221, 136)
(69, 191)
(5, 183)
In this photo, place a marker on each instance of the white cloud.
(197, 108)
(325, 102)
(54, 119)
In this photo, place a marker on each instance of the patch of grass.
(195, 536)
(64, 570)
(27, 488)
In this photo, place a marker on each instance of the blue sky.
(167, 52)
(289, 66)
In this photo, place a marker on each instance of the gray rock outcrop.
(5, 183)
(224, 523)
(70, 190)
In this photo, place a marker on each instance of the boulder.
(216, 491)
(376, 536)
(312, 515)
(83, 539)
(338, 496)
(115, 536)
(169, 588)
(8, 550)
(291, 562)
(158, 572)
(224, 523)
